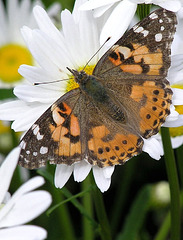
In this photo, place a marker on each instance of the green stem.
(122, 193)
(105, 232)
(87, 204)
(179, 155)
(66, 229)
(143, 10)
(173, 183)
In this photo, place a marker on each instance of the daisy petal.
(32, 94)
(108, 171)
(101, 10)
(177, 141)
(62, 174)
(176, 123)
(23, 232)
(24, 209)
(45, 24)
(25, 120)
(6, 171)
(81, 170)
(93, 4)
(177, 96)
(125, 11)
(171, 5)
(153, 148)
(102, 182)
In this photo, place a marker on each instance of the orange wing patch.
(137, 60)
(65, 131)
(155, 100)
(107, 150)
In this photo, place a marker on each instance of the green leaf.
(136, 215)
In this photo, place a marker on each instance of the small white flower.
(13, 50)
(24, 205)
(55, 50)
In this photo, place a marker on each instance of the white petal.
(25, 188)
(177, 141)
(4, 22)
(23, 233)
(102, 182)
(175, 73)
(98, 12)
(45, 24)
(26, 118)
(171, 5)
(81, 170)
(32, 94)
(6, 171)
(53, 10)
(92, 4)
(108, 171)
(177, 96)
(113, 28)
(153, 148)
(176, 123)
(26, 208)
(11, 109)
(62, 174)
(38, 75)
(173, 115)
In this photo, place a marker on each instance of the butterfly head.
(80, 76)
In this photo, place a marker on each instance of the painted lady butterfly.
(126, 99)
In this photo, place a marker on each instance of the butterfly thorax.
(91, 86)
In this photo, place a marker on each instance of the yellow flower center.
(177, 131)
(2, 205)
(72, 84)
(4, 128)
(11, 57)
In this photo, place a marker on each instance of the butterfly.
(125, 100)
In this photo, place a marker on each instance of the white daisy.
(13, 51)
(118, 10)
(23, 206)
(55, 50)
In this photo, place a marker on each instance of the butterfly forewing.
(135, 69)
(142, 52)
(55, 136)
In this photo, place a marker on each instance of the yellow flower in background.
(13, 51)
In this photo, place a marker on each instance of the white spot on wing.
(43, 150)
(162, 28)
(35, 129)
(39, 136)
(138, 30)
(23, 144)
(35, 154)
(158, 37)
(28, 152)
(125, 51)
(153, 16)
(145, 32)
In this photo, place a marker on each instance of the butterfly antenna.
(41, 83)
(96, 52)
